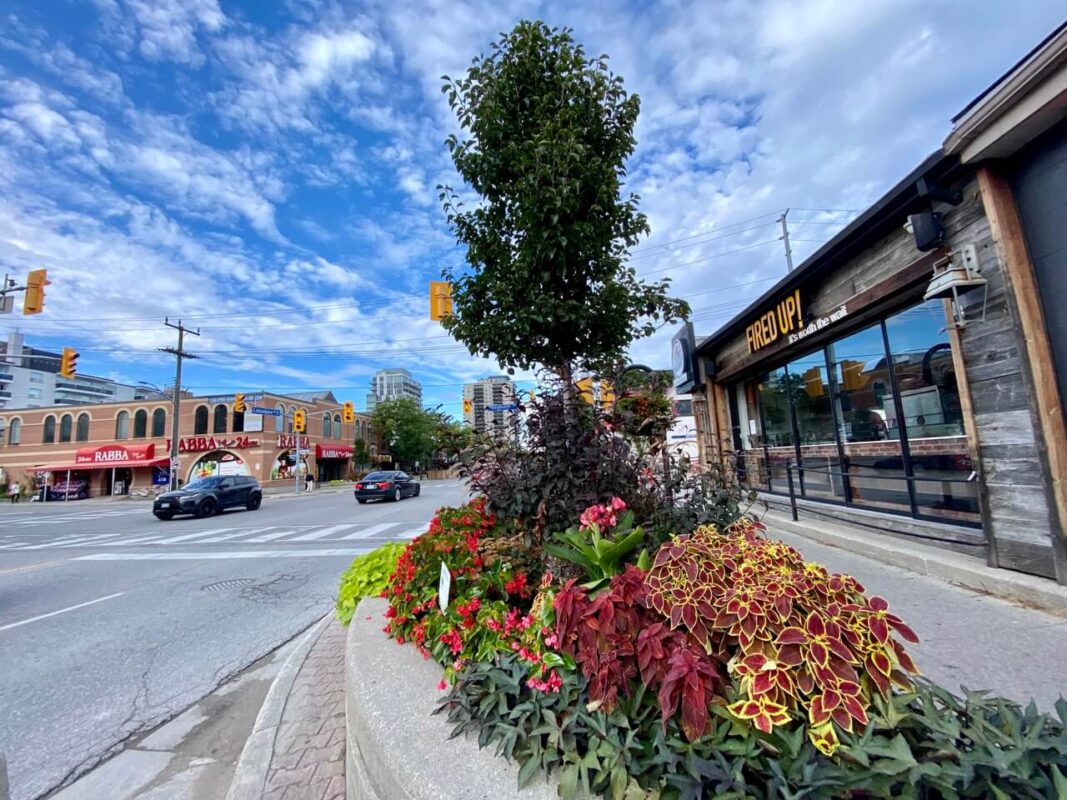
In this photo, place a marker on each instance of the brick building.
(116, 448)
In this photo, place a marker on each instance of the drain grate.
(232, 583)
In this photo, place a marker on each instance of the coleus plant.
(800, 641)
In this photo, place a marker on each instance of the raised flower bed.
(721, 664)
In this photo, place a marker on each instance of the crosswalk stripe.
(237, 535)
(188, 536)
(92, 537)
(270, 537)
(307, 537)
(366, 533)
(215, 554)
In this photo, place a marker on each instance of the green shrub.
(929, 745)
(367, 576)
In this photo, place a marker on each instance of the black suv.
(206, 496)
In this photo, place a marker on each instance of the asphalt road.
(112, 622)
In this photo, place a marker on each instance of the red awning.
(158, 462)
(328, 451)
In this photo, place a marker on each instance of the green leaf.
(527, 771)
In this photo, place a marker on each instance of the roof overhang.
(1026, 101)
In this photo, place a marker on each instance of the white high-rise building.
(392, 384)
(486, 396)
(29, 378)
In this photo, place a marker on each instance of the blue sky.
(266, 170)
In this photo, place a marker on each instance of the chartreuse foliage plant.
(367, 576)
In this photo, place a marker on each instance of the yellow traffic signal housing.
(585, 390)
(68, 363)
(299, 421)
(239, 403)
(607, 394)
(468, 406)
(33, 302)
(440, 300)
(348, 412)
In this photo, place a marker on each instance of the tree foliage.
(406, 430)
(547, 134)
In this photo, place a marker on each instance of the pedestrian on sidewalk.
(309, 482)
(13, 492)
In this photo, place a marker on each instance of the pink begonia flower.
(617, 503)
(442, 685)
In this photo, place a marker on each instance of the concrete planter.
(396, 749)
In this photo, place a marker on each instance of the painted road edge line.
(250, 777)
(60, 611)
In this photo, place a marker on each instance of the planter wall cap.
(396, 749)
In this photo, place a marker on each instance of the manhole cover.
(222, 586)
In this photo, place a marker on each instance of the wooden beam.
(963, 383)
(1004, 223)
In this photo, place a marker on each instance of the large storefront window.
(873, 420)
(925, 377)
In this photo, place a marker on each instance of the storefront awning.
(108, 456)
(328, 451)
(157, 462)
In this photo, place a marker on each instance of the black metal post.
(792, 493)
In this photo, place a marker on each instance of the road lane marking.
(307, 537)
(89, 537)
(164, 556)
(32, 567)
(270, 537)
(240, 532)
(60, 611)
(366, 533)
(154, 538)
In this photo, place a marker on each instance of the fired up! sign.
(782, 320)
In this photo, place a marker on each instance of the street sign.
(502, 407)
(266, 412)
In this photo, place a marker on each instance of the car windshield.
(201, 484)
(379, 476)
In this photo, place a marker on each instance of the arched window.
(220, 419)
(200, 421)
(238, 422)
(66, 427)
(140, 424)
(49, 435)
(82, 432)
(337, 425)
(327, 425)
(159, 423)
(289, 419)
(122, 425)
(279, 421)
(15, 432)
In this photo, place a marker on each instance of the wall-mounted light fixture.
(957, 274)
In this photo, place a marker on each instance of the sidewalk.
(297, 747)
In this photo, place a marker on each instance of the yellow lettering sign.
(772, 325)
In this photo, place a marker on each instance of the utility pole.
(785, 239)
(179, 354)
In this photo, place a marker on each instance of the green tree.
(406, 430)
(360, 454)
(548, 132)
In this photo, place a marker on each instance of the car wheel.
(361, 500)
(418, 489)
(163, 515)
(397, 495)
(254, 502)
(208, 508)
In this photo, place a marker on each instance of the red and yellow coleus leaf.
(762, 712)
(824, 737)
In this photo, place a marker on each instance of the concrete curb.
(945, 565)
(250, 778)
(395, 748)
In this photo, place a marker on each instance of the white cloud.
(167, 29)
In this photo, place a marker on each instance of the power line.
(707, 258)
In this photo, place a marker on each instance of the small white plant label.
(444, 586)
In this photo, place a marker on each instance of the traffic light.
(33, 303)
(468, 406)
(68, 364)
(607, 394)
(299, 421)
(239, 403)
(585, 390)
(440, 300)
(348, 412)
